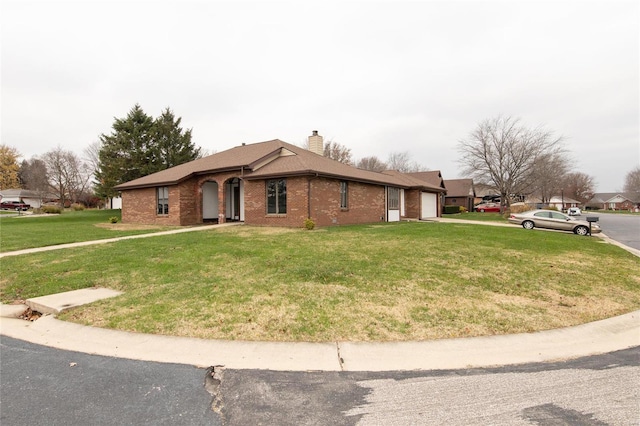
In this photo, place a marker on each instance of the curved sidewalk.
(594, 338)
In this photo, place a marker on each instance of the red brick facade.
(366, 202)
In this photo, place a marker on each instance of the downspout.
(309, 195)
(384, 216)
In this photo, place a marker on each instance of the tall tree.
(33, 176)
(372, 163)
(173, 144)
(547, 176)
(401, 161)
(9, 167)
(139, 145)
(579, 186)
(632, 181)
(125, 153)
(502, 152)
(338, 152)
(68, 175)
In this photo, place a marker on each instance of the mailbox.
(591, 219)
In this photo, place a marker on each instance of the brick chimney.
(316, 143)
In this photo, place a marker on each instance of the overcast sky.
(377, 77)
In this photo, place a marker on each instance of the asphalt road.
(620, 227)
(41, 385)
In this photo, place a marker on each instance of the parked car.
(14, 205)
(553, 220)
(488, 207)
(574, 211)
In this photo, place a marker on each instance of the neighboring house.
(563, 203)
(615, 201)
(113, 203)
(486, 193)
(460, 192)
(33, 198)
(278, 184)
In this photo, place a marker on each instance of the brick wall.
(140, 206)
(366, 203)
(255, 199)
(412, 203)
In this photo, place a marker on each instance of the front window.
(394, 199)
(163, 200)
(277, 196)
(344, 195)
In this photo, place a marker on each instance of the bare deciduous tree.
(33, 175)
(579, 186)
(548, 176)
(401, 161)
(372, 163)
(503, 153)
(632, 181)
(69, 176)
(338, 152)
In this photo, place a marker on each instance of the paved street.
(41, 385)
(623, 228)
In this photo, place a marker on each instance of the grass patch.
(28, 231)
(404, 281)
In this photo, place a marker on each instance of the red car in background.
(488, 207)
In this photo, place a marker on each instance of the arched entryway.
(234, 200)
(210, 208)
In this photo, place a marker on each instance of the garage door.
(429, 205)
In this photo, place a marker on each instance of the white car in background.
(574, 211)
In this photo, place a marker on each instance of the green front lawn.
(402, 281)
(28, 231)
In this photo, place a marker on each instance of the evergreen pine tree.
(138, 146)
(173, 144)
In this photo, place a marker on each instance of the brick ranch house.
(274, 183)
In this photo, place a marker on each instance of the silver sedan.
(553, 220)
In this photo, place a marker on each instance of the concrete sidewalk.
(599, 337)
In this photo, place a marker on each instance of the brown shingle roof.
(459, 187)
(270, 159)
(432, 177)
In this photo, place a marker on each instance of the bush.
(309, 224)
(451, 209)
(519, 208)
(77, 207)
(114, 219)
(463, 209)
(51, 209)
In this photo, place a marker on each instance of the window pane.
(343, 195)
(282, 196)
(271, 197)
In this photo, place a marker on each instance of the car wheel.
(581, 230)
(481, 210)
(527, 224)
